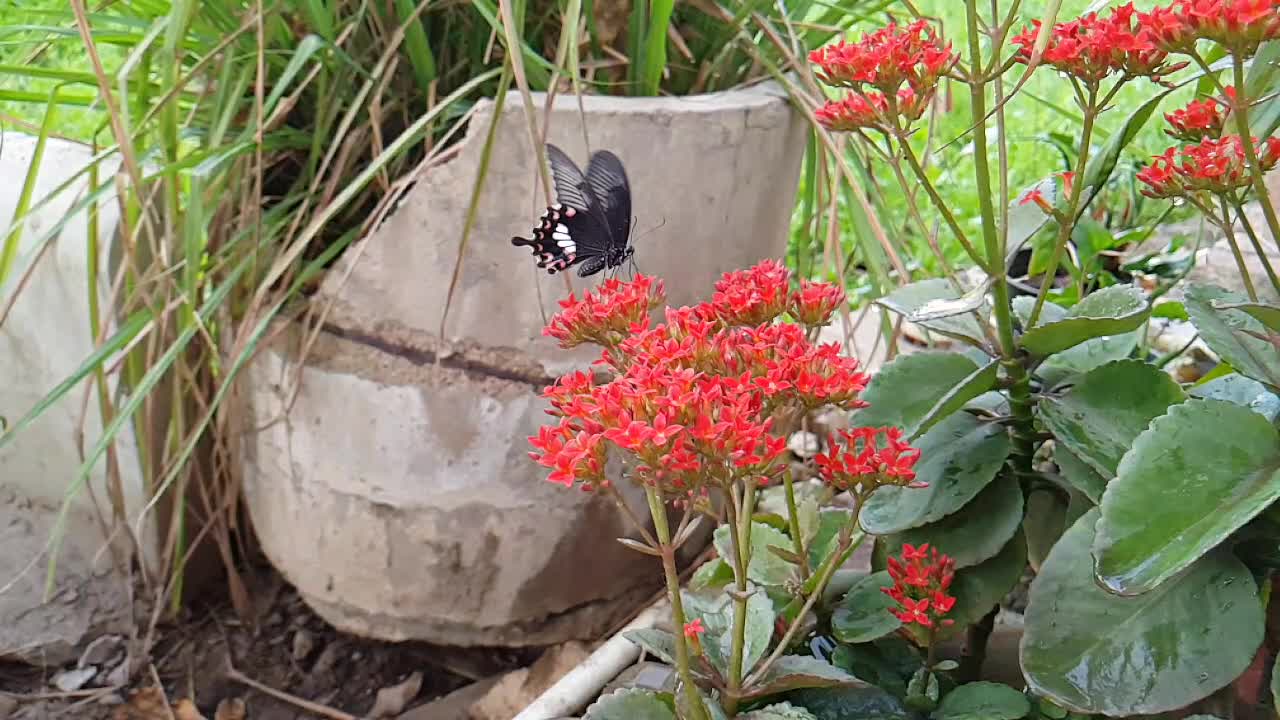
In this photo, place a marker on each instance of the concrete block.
(43, 341)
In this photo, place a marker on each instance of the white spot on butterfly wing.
(561, 236)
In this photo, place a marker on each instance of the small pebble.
(72, 680)
(303, 644)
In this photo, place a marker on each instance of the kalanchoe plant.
(1146, 509)
(696, 411)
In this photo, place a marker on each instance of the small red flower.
(893, 74)
(1093, 47)
(921, 578)
(1218, 166)
(816, 302)
(855, 461)
(1201, 119)
(1241, 26)
(694, 628)
(606, 314)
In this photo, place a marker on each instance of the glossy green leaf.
(863, 614)
(1045, 523)
(1268, 315)
(843, 703)
(1194, 477)
(975, 532)
(1087, 356)
(983, 701)
(1049, 312)
(909, 299)
(711, 575)
(1098, 419)
(827, 534)
(658, 643)
(1078, 474)
(716, 612)
(631, 704)
(792, 672)
(1110, 311)
(1170, 310)
(974, 384)
(1243, 391)
(980, 588)
(1221, 331)
(765, 567)
(1091, 651)
(959, 457)
(902, 393)
(780, 711)
(1099, 168)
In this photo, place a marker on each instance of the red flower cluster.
(1216, 166)
(893, 73)
(859, 464)
(1092, 48)
(1200, 120)
(607, 314)
(754, 296)
(816, 302)
(693, 398)
(921, 580)
(1238, 25)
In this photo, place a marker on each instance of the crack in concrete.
(421, 357)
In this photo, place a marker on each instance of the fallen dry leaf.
(145, 704)
(230, 709)
(186, 710)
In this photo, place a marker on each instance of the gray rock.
(393, 488)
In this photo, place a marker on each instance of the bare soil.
(290, 649)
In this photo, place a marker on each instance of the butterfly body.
(589, 225)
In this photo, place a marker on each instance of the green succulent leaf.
(780, 711)
(1241, 391)
(792, 672)
(959, 457)
(910, 299)
(863, 614)
(716, 613)
(975, 532)
(1078, 474)
(631, 704)
(983, 701)
(658, 643)
(1224, 331)
(1110, 311)
(902, 393)
(843, 703)
(765, 567)
(1181, 491)
(1046, 521)
(1098, 419)
(973, 385)
(1094, 652)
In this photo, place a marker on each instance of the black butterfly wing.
(607, 182)
(575, 229)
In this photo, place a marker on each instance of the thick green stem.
(1073, 209)
(1015, 373)
(1240, 110)
(734, 506)
(659, 512)
(1257, 246)
(793, 521)
(1230, 234)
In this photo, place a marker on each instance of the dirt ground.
(291, 650)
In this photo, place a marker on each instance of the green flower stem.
(1091, 111)
(851, 537)
(659, 512)
(741, 558)
(1257, 245)
(1230, 234)
(947, 216)
(1016, 378)
(1241, 113)
(793, 522)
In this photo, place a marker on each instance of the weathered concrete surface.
(712, 180)
(393, 488)
(42, 342)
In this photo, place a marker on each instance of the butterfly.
(590, 222)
